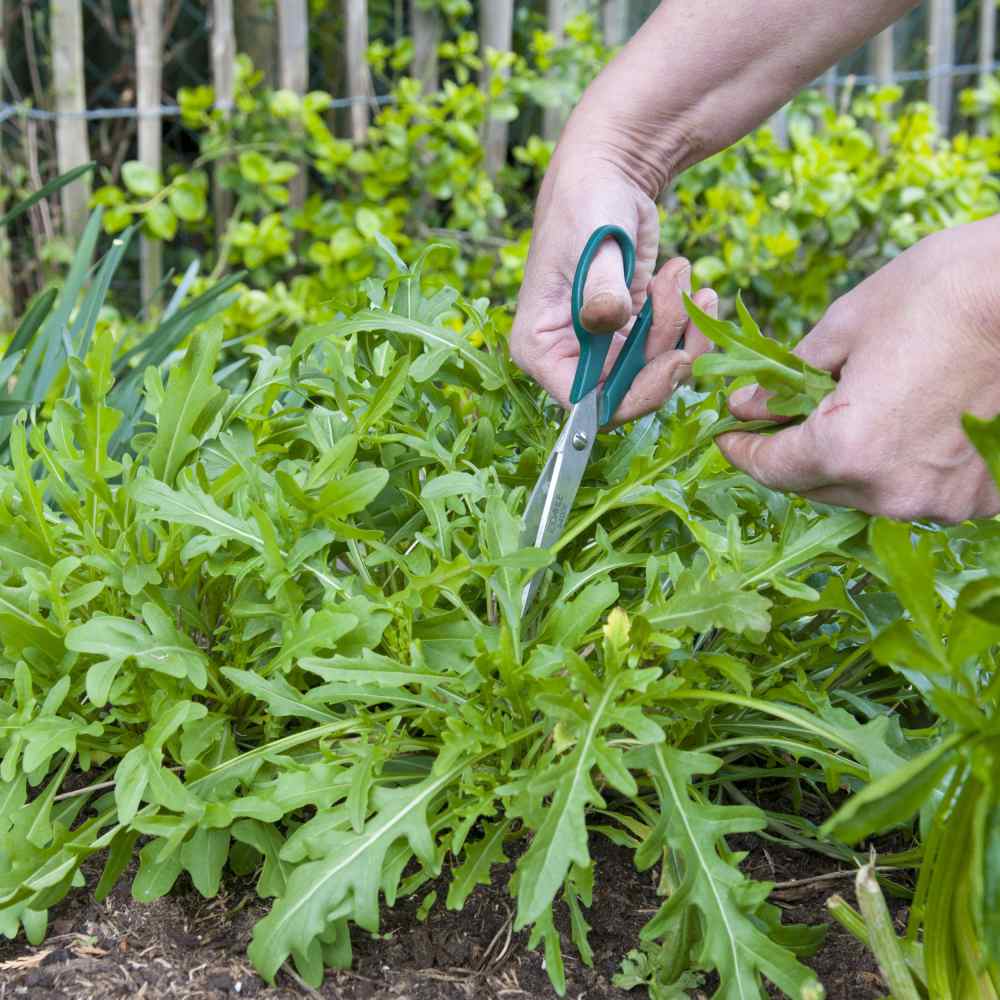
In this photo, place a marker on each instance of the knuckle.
(517, 355)
(762, 466)
(847, 454)
(841, 316)
(905, 506)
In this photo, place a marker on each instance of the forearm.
(702, 73)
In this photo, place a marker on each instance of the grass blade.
(43, 192)
(32, 320)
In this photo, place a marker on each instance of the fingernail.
(683, 277)
(711, 303)
(681, 374)
(742, 395)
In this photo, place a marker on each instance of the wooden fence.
(288, 55)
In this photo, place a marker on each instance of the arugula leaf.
(729, 939)
(798, 388)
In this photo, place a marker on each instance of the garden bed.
(184, 946)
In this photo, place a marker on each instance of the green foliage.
(790, 227)
(795, 228)
(278, 609)
(259, 563)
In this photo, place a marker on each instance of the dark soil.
(188, 947)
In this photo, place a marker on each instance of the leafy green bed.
(262, 616)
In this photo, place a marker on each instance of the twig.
(309, 991)
(460, 236)
(508, 926)
(40, 214)
(797, 883)
(30, 52)
(101, 786)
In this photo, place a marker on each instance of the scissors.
(551, 500)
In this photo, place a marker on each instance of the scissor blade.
(552, 499)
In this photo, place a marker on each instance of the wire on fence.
(174, 111)
(164, 111)
(910, 75)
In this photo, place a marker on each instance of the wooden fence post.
(987, 49)
(881, 58)
(830, 84)
(224, 83)
(255, 36)
(941, 59)
(615, 18)
(425, 24)
(358, 78)
(72, 146)
(496, 31)
(293, 70)
(559, 12)
(881, 65)
(6, 285)
(147, 20)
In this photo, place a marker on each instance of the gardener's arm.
(696, 77)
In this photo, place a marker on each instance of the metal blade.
(552, 498)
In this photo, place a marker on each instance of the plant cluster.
(262, 616)
(260, 569)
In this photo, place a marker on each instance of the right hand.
(575, 199)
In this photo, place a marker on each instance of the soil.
(184, 947)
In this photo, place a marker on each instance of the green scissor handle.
(594, 346)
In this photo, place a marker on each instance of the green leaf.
(454, 484)
(561, 839)
(279, 696)
(698, 604)
(909, 563)
(346, 881)
(191, 402)
(477, 867)
(141, 180)
(798, 387)
(434, 337)
(155, 644)
(188, 202)
(894, 798)
(160, 222)
(45, 190)
(985, 435)
(385, 395)
(352, 493)
(728, 936)
(254, 167)
(191, 505)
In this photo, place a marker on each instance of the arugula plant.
(268, 623)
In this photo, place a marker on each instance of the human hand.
(575, 199)
(913, 347)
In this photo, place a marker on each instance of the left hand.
(914, 347)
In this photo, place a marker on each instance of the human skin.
(914, 346)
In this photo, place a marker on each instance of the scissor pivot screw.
(580, 440)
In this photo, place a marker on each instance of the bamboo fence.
(276, 35)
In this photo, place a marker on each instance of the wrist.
(647, 150)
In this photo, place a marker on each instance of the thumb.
(607, 301)
(791, 459)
